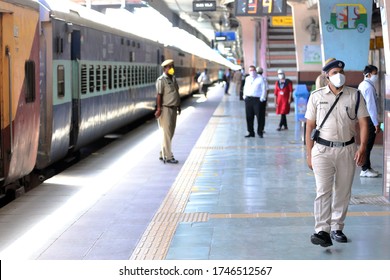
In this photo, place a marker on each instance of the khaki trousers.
(334, 169)
(167, 122)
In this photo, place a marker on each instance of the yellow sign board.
(286, 21)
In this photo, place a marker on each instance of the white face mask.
(281, 76)
(373, 78)
(252, 73)
(337, 80)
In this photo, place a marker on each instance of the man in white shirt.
(367, 88)
(254, 94)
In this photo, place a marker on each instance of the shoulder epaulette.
(316, 90)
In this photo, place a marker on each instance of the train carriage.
(19, 89)
(69, 76)
(98, 79)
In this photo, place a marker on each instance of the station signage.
(225, 36)
(204, 6)
(259, 8)
(220, 38)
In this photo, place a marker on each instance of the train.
(69, 77)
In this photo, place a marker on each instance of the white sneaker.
(374, 171)
(368, 173)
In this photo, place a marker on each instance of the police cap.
(167, 62)
(333, 64)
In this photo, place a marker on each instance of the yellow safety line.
(156, 239)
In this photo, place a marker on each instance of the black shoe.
(279, 129)
(260, 134)
(322, 238)
(160, 158)
(338, 236)
(249, 135)
(172, 160)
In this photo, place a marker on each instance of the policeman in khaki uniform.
(168, 107)
(333, 156)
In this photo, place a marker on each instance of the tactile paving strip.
(156, 239)
(369, 199)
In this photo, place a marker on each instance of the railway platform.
(228, 198)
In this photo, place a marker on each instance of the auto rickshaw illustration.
(347, 16)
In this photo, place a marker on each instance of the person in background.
(263, 104)
(168, 107)
(235, 83)
(226, 78)
(243, 77)
(254, 94)
(220, 77)
(367, 88)
(283, 97)
(204, 82)
(331, 151)
(238, 79)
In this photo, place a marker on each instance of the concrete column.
(345, 33)
(263, 44)
(385, 15)
(250, 42)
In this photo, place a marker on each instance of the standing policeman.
(168, 107)
(333, 154)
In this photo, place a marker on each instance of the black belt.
(253, 97)
(334, 144)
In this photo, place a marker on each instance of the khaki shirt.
(338, 126)
(169, 90)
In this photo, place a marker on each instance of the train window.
(91, 78)
(104, 77)
(149, 74)
(115, 76)
(124, 76)
(59, 45)
(120, 77)
(135, 75)
(154, 74)
(132, 75)
(128, 76)
(109, 77)
(141, 75)
(98, 78)
(83, 79)
(60, 81)
(29, 69)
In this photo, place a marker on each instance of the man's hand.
(378, 129)
(360, 156)
(178, 110)
(157, 114)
